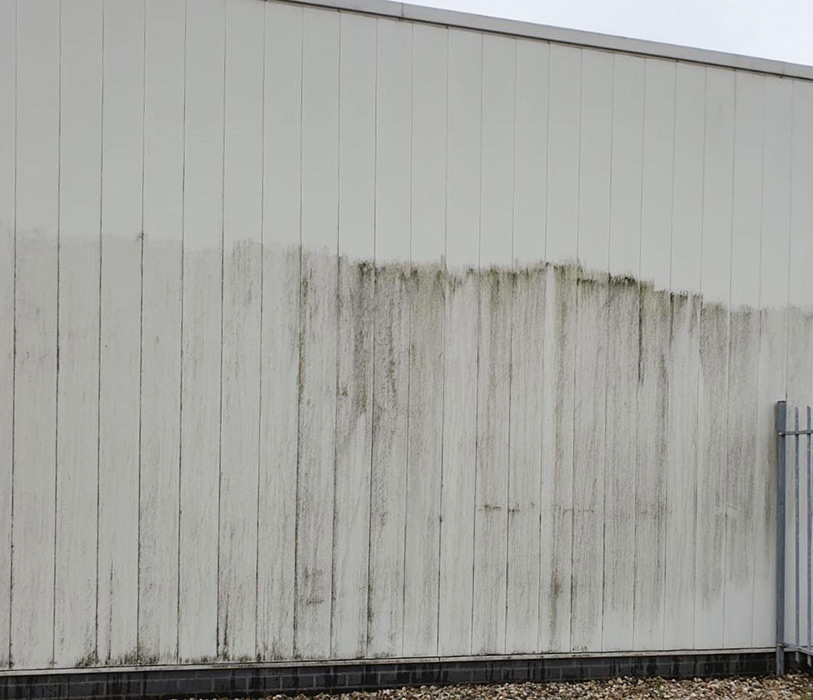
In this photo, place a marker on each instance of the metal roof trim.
(559, 35)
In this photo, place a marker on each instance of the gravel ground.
(790, 687)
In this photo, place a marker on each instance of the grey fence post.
(781, 426)
(809, 515)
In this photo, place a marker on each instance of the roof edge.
(560, 35)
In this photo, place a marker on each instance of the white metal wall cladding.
(332, 336)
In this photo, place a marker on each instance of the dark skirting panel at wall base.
(260, 681)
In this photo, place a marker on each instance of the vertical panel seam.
(443, 345)
(636, 429)
(759, 320)
(575, 351)
(790, 233)
(14, 346)
(665, 539)
(410, 301)
(372, 372)
(607, 353)
(759, 327)
(257, 654)
(637, 390)
(549, 270)
(56, 356)
(547, 187)
(729, 343)
(699, 346)
(335, 318)
(141, 329)
(336, 363)
(444, 269)
(181, 354)
(99, 336)
(295, 613)
(331, 647)
(672, 172)
(301, 16)
(515, 44)
(222, 294)
(477, 356)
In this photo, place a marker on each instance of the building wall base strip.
(261, 681)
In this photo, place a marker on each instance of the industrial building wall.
(325, 335)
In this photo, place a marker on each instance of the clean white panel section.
(201, 286)
(320, 129)
(463, 148)
(241, 344)
(317, 392)
(280, 331)
(80, 123)
(393, 138)
(595, 159)
(357, 107)
(78, 380)
(747, 208)
(656, 205)
(429, 114)
(8, 60)
(718, 184)
(681, 480)
(687, 206)
(497, 185)
(627, 163)
(801, 245)
(357, 138)
(428, 234)
(531, 153)
(119, 390)
(460, 343)
(564, 124)
(35, 319)
(776, 192)
(283, 124)
(161, 330)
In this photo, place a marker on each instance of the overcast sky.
(778, 29)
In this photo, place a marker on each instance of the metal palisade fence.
(794, 534)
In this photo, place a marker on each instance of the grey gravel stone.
(789, 687)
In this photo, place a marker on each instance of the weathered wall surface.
(328, 336)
